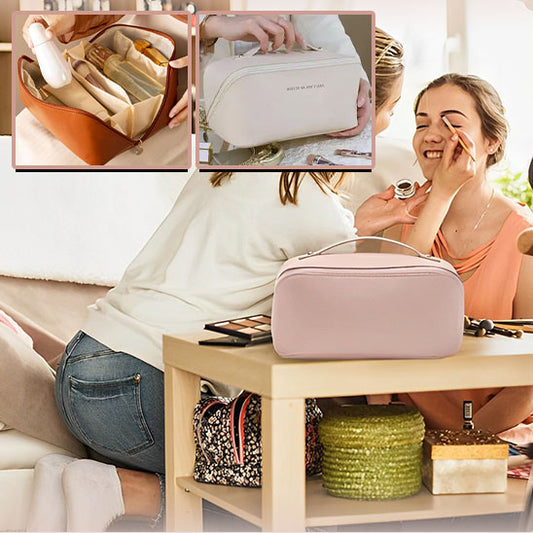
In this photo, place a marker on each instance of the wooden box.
(462, 462)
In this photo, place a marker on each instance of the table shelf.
(287, 502)
(325, 510)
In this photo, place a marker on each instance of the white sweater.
(215, 256)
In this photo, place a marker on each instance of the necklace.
(482, 216)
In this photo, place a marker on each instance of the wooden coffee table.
(287, 501)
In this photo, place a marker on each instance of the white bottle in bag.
(54, 68)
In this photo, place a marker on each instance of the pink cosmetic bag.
(367, 306)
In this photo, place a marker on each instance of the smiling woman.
(475, 228)
(466, 221)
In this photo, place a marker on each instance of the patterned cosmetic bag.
(227, 433)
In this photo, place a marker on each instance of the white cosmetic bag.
(258, 98)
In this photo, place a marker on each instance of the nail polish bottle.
(124, 73)
(54, 68)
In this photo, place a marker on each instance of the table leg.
(283, 442)
(182, 392)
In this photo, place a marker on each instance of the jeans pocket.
(108, 414)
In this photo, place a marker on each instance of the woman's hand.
(253, 28)
(180, 111)
(382, 211)
(456, 166)
(60, 26)
(363, 112)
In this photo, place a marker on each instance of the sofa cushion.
(19, 451)
(15, 496)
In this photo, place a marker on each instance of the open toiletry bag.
(367, 305)
(258, 98)
(93, 116)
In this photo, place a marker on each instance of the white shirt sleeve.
(317, 221)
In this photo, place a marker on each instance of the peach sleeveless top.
(489, 293)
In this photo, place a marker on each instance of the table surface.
(481, 362)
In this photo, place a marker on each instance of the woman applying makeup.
(466, 222)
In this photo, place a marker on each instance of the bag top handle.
(256, 49)
(373, 238)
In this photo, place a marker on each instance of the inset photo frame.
(287, 90)
(122, 98)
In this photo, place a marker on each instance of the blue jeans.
(113, 403)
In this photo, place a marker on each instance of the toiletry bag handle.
(357, 239)
(256, 49)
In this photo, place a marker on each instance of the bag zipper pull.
(138, 147)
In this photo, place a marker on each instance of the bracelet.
(210, 42)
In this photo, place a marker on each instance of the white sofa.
(30, 303)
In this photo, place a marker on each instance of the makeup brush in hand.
(524, 242)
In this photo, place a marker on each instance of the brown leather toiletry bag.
(99, 121)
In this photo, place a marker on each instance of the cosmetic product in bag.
(54, 68)
(146, 48)
(135, 82)
(83, 70)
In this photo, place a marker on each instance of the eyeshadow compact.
(253, 329)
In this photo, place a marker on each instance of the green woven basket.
(372, 452)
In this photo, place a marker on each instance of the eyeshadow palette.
(250, 327)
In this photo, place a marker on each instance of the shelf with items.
(286, 502)
(325, 510)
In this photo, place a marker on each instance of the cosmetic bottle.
(146, 48)
(135, 82)
(54, 68)
(467, 415)
(83, 70)
(404, 189)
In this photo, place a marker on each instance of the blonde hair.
(289, 182)
(389, 65)
(489, 107)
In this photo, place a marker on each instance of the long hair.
(389, 65)
(289, 182)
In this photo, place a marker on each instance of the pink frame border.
(316, 168)
(14, 91)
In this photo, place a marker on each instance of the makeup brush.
(454, 132)
(524, 242)
(314, 159)
(471, 327)
(489, 327)
(514, 327)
